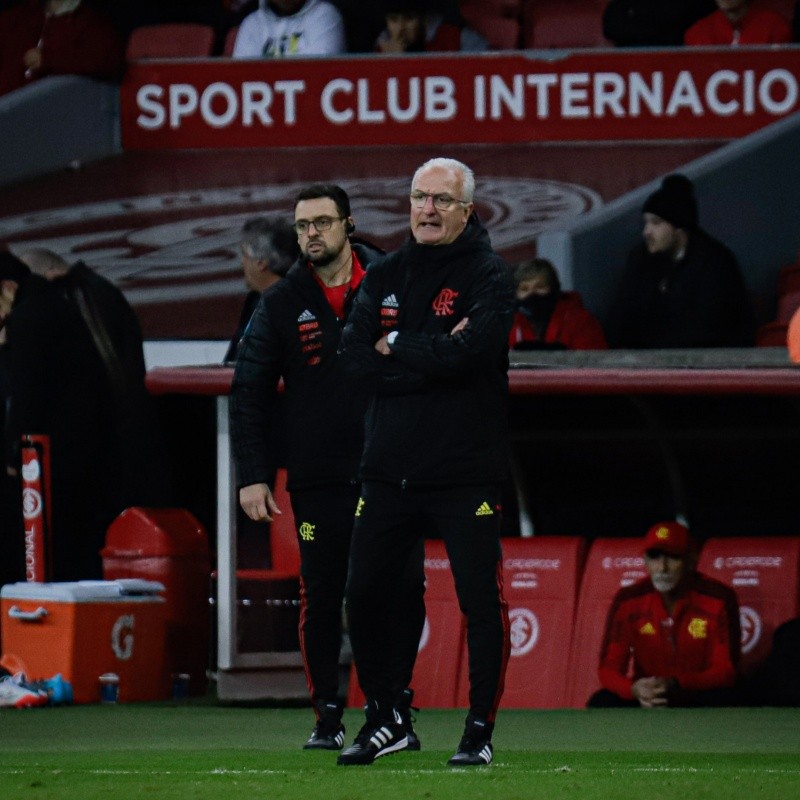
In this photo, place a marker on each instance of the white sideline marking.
(435, 771)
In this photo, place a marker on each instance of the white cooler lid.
(82, 591)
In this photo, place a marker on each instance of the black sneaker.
(475, 747)
(324, 737)
(404, 709)
(377, 738)
(328, 734)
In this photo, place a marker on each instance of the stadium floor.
(203, 750)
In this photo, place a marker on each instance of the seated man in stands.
(681, 287)
(739, 22)
(651, 23)
(39, 38)
(672, 639)
(547, 318)
(286, 28)
(413, 27)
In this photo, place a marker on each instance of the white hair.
(468, 176)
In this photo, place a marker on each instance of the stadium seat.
(789, 278)
(565, 25)
(772, 334)
(442, 646)
(612, 563)
(540, 582)
(786, 8)
(170, 40)
(502, 33)
(495, 8)
(788, 303)
(230, 41)
(765, 573)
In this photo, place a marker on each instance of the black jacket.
(438, 412)
(294, 334)
(701, 301)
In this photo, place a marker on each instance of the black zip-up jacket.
(438, 415)
(294, 335)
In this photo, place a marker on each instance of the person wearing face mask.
(673, 638)
(547, 318)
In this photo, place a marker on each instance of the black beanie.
(11, 268)
(674, 201)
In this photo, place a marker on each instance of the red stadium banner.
(436, 99)
(36, 512)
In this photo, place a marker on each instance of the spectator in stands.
(739, 22)
(547, 318)
(412, 28)
(269, 248)
(286, 28)
(651, 23)
(680, 287)
(39, 38)
(58, 387)
(671, 639)
(141, 475)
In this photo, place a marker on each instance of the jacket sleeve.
(254, 394)
(615, 654)
(490, 311)
(378, 374)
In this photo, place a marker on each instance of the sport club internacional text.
(543, 104)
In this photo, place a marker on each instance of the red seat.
(501, 33)
(788, 303)
(789, 278)
(495, 8)
(170, 40)
(540, 583)
(230, 41)
(764, 572)
(772, 334)
(786, 8)
(567, 24)
(442, 644)
(612, 564)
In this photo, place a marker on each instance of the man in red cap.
(671, 639)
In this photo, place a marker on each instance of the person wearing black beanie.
(681, 287)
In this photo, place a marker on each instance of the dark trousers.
(324, 520)
(390, 526)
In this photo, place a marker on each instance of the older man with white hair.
(428, 338)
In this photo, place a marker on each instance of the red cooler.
(168, 545)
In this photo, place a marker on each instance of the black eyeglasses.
(320, 223)
(441, 201)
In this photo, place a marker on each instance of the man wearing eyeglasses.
(294, 334)
(428, 338)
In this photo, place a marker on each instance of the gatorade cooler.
(86, 629)
(170, 546)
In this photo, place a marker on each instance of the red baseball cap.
(671, 538)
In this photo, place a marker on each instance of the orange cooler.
(88, 628)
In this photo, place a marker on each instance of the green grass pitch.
(199, 750)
